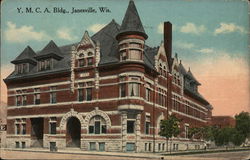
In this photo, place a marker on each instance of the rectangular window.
(186, 131)
(23, 145)
(53, 94)
(24, 100)
(97, 127)
(19, 68)
(17, 145)
(149, 147)
(147, 124)
(47, 64)
(52, 127)
(89, 94)
(123, 56)
(80, 95)
(37, 98)
(146, 147)
(18, 100)
(91, 129)
(42, 65)
(81, 62)
(134, 89)
(92, 146)
(101, 146)
(25, 68)
(147, 94)
(23, 128)
(130, 147)
(104, 129)
(123, 90)
(53, 97)
(90, 61)
(163, 146)
(159, 146)
(147, 128)
(17, 128)
(130, 126)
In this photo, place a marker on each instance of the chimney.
(168, 40)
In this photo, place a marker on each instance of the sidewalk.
(80, 152)
(156, 155)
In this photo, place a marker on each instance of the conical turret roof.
(131, 23)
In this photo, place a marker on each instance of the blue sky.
(205, 33)
(201, 18)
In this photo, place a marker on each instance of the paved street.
(7, 154)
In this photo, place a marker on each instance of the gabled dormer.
(48, 56)
(161, 63)
(192, 81)
(25, 61)
(87, 52)
(176, 74)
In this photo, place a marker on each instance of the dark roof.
(149, 56)
(196, 95)
(26, 56)
(50, 50)
(108, 43)
(131, 22)
(191, 76)
(182, 69)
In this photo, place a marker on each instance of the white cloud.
(228, 28)
(65, 33)
(184, 45)
(192, 28)
(207, 50)
(23, 33)
(96, 27)
(160, 28)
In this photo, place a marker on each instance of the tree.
(170, 128)
(237, 138)
(243, 123)
(206, 133)
(223, 136)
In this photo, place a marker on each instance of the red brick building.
(108, 92)
(223, 121)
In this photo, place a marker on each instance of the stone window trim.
(94, 113)
(122, 90)
(20, 126)
(52, 125)
(97, 125)
(131, 123)
(53, 97)
(186, 130)
(18, 100)
(147, 124)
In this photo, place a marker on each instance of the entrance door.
(37, 132)
(73, 136)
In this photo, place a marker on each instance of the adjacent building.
(108, 92)
(223, 121)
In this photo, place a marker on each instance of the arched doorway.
(73, 135)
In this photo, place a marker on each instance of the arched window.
(97, 125)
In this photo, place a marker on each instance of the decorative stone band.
(130, 107)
